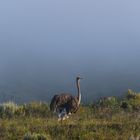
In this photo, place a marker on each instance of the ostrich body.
(65, 104)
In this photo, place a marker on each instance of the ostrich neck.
(79, 91)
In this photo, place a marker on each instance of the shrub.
(126, 105)
(33, 109)
(130, 94)
(8, 109)
(132, 101)
(138, 96)
(35, 136)
(108, 102)
(88, 136)
(36, 109)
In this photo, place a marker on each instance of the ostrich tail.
(53, 103)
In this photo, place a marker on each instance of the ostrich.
(65, 104)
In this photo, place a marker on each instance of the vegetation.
(109, 118)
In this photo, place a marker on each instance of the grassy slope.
(102, 122)
(82, 126)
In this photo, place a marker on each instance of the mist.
(45, 44)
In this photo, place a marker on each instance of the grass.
(106, 119)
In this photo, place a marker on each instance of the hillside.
(108, 118)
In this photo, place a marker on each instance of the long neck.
(79, 91)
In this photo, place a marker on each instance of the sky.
(45, 44)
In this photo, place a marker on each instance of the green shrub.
(20, 111)
(8, 109)
(36, 109)
(130, 94)
(108, 102)
(35, 136)
(33, 109)
(88, 136)
(138, 96)
(132, 101)
(126, 105)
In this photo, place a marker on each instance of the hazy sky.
(45, 44)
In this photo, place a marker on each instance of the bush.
(130, 94)
(132, 101)
(8, 109)
(88, 136)
(35, 109)
(108, 102)
(35, 136)
(126, 105)
(138, 96)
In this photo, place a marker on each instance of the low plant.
(36, 109)
(8, 109)
(34, 136)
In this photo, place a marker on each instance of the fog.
(45, 44)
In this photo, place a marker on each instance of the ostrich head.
(78, 78)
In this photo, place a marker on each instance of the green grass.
(106, 119)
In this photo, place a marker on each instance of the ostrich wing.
(72, 105)
(59, 101)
